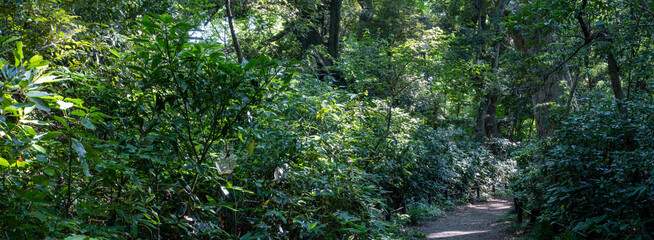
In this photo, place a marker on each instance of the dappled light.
(453, 234)
(326, 119)
(472, 221)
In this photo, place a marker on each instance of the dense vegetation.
(316, 119)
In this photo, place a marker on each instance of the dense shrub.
(586, 178)
(192, 145)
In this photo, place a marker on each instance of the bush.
(424, 212)
(586, 179)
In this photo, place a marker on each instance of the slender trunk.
(531, 129)
(616, 85)
(230, 19)
(367, 12)
(491, 113)
(515, 124)
(480, 5)
(575, 83)
(480, 126)
(334, 28)
(481, 123)
(491, 98)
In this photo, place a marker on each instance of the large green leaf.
(40, 104)
(79, 237)
(37, 94)
(46, 79)
(51, 135)
(62, 121)
(64, 105)
(87, 123)
(79, 148)
(18, 53)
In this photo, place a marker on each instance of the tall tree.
(230, 19)
(334, 28)
(547, 89)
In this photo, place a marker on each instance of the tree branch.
(641, 7)
(567, 59)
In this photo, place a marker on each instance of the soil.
(473, 221)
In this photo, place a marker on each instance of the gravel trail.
(470, 222)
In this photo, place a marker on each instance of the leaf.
(62, 121)
(42, 180)
(28, 110)
(81, 152)
(39, 148)
(18, 54)
(24, 83)
(51, 172)
(211, 200)
(166, 18)
(137, 68)
(239, 189)
(251, 147)
(90, 150)
(247, 65)
(114, 52)
(4, 162)
(47, 79)
(35, 122)
(78, 112)
(74, 100)
(79, 148)
(139, 40)
(78, 237)
(224, 190)
(19, 164)
(313, 225)
(85, 167)
(64, 105)
(88, 124)
(35, 60)
(40, 104)
(136, 181)
(37, 94)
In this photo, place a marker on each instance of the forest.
(323, 119)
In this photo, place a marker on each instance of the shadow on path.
(473, 221)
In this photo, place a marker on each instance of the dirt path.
(472, 221)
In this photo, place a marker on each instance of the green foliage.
(130, 119)
(47, 144)
(424, 212)
(202, 147)
(585, 179)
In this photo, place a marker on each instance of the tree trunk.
(492, 130)
(367, 11)
(334, 28)
(480, 5)
(480, 127)
(616, 84)
(480, 121)
(237, 46)
(549, 90)
(549, 93)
